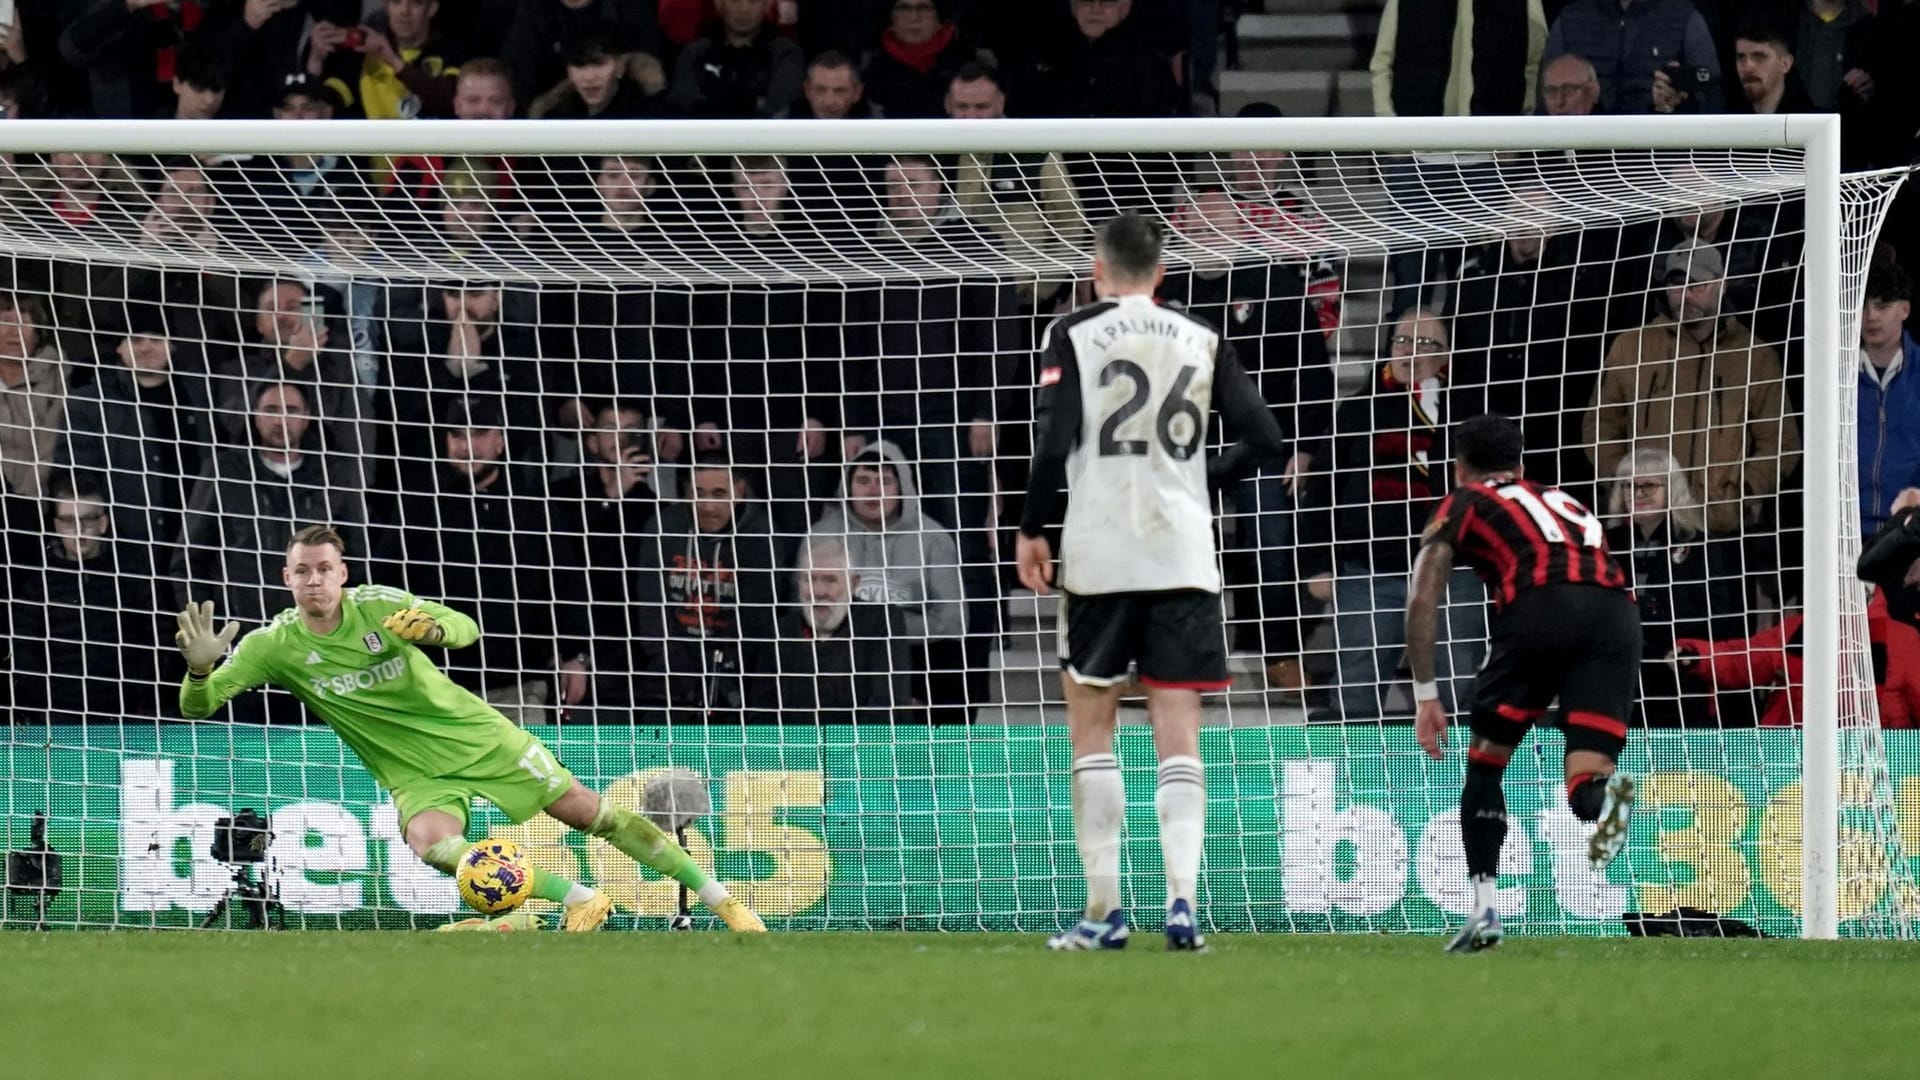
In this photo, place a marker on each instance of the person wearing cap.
(1695, 382)
(144, 422)
(394, 67)
(602, 84)
(472, 530)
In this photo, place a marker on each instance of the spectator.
(1270, 192)
(145, 424)
(1435, 60)
(604, 524)
(1107, 65)
(483, 91)
(1027, 201)
(837, 660)
(1889, 401)
(199, 304)
(301, 201)
(1262, 309)
(474, 532)
(1688, 585)
(1569, 86)
(909, 74)
(240, 514)
(743, 67)
(33, 393)
(1650, 55)
(1524, 346)
(833, 90)
(199, 86)
(1835, 52)
(600, 84)
(84, 625)
(295, 346)
(463, 351)
(77, 201)
(1695, 382)
(1389, 471)
(393, 66)
(1774, 658)
(534, 48)
(129, 49)
(829, 188)
(1763, 55)
(908, 562)
(1890, 559)
(707, 597)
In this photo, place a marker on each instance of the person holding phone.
(394, 66)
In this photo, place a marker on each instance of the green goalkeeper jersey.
(382, 695)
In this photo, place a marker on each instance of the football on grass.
(494, 877)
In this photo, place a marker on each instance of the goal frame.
(1816, 136)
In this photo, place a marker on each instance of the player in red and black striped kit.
(1565, 628)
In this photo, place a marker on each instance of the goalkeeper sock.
(1182, 803)
(551, 886)
(1483, 812)
(643, 842)
(445, 853)
(1099, 808)
(1586, 793)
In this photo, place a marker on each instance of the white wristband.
(1426, 691)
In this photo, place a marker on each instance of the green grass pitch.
(987, 1007)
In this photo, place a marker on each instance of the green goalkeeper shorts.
(520, 776)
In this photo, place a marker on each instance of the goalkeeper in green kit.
(353, 656)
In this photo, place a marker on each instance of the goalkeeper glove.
(198, 643)
(412, 624)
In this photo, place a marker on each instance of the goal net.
(721, 433)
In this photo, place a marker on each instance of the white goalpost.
(726, 361)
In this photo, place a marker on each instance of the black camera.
(240, 842)
(242, 838)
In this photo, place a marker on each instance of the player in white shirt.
(1126, 387)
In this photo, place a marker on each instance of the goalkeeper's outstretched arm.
(207, 687)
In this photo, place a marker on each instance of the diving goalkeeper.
(353, 656)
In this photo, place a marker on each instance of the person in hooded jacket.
(707, 602)
(909, 562)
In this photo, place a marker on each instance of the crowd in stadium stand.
(789, 500)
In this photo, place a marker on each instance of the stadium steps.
(1299, 93)
(1307, 41)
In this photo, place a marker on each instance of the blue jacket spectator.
(1630, 42)
(1889, 401)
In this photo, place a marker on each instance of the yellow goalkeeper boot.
(589, 914)
(739, 917)
(514, 921)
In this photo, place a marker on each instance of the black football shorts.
(1177, 638)
(1577, 643)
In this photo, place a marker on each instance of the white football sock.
(578, 894)
(1182, 802)
(1486, 893)
(1099, 809)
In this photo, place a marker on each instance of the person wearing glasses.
(1688, 585)
(75, 605)
(1391, 467)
